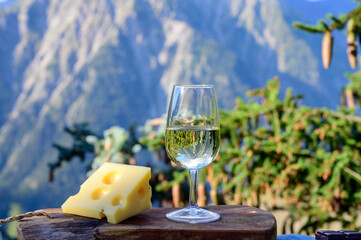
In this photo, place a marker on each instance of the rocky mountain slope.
(113, 62)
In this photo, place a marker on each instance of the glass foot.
(193, 215)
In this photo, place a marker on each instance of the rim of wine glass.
(194, 85)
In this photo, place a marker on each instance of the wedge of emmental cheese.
(115, 191)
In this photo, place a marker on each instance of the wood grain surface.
(237, 222)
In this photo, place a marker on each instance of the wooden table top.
(237, 222)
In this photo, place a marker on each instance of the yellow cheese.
(115, 191)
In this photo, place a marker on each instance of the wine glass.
(192, 141)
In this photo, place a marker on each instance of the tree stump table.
(236, 222)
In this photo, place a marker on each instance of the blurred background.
(64, 63)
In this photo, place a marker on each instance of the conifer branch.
(321, 27)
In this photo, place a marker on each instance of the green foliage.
(351, 94)
(309, 28)
(117, 145)
(333, 23)
(80, 147)
(11, 228)
(305, 159)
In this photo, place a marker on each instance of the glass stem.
(193, 187)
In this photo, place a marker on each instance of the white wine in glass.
(192, 141)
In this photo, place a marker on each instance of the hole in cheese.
(100, 193)
(102, 213)
(112, 177)
(118, 200)
(141, 193)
